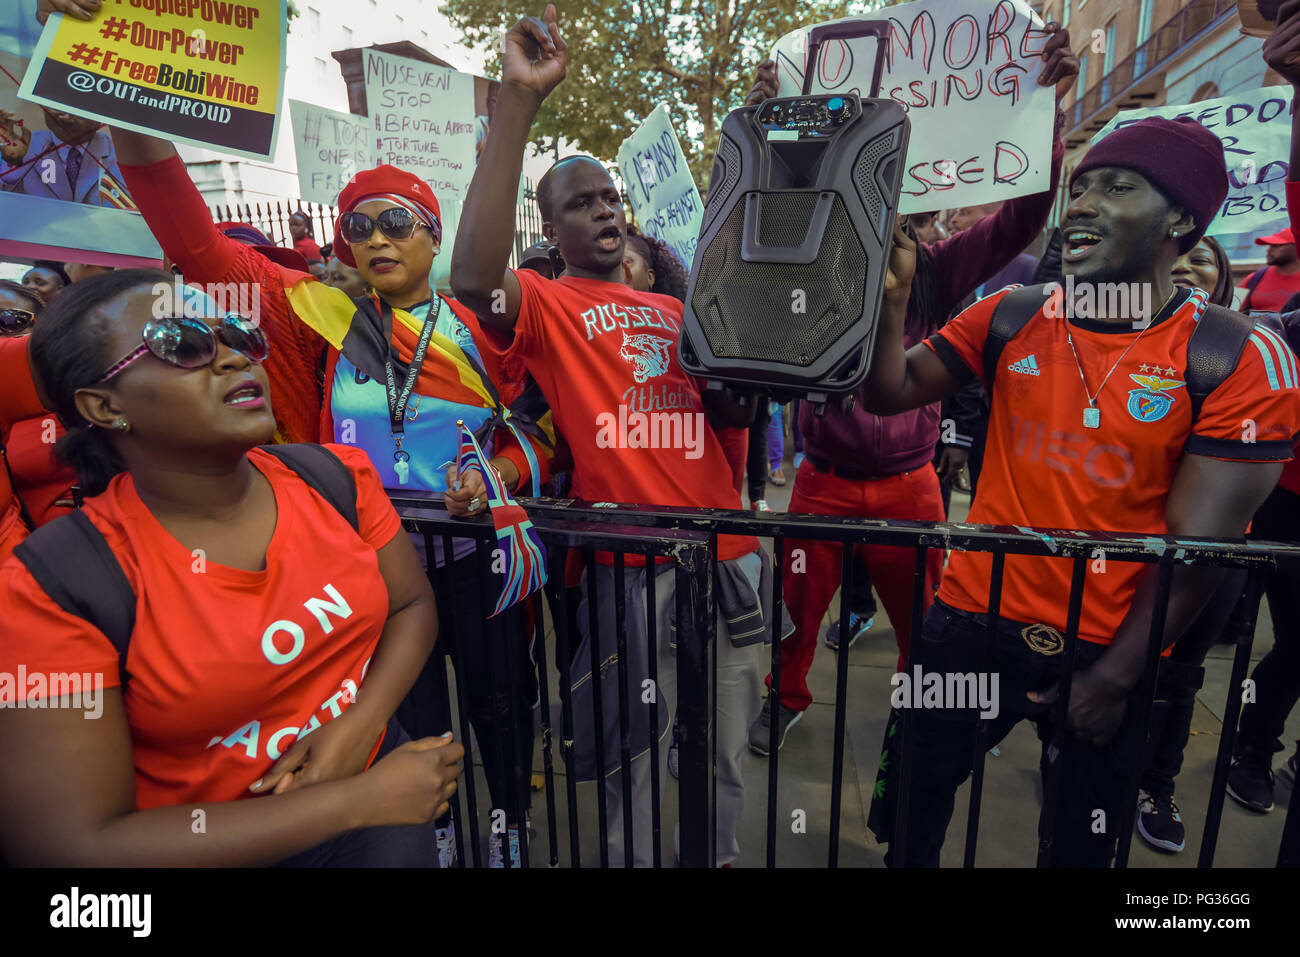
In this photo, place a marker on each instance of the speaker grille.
(728, 157)
(750, 310)
(864, 176)
(785, 218)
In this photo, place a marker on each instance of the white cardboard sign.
(662, 190)
(1254, 127)
(331, 148)
(966, 72)
(422, 121)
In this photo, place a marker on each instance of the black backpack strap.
(323, 471)
(1213, 351)
(1253, 280)
(74, 565)
(1010, 315)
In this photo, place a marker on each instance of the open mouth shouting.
(1079, 243)
(609, 239)
(246, 395)
(383, 264)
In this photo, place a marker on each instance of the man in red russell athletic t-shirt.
(639, 428)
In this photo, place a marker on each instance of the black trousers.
(1094, 778)
(492, 660)
(1277, 676)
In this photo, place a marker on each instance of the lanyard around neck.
(397, 400)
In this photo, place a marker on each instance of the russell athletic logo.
(648, 354)
(1026, 366)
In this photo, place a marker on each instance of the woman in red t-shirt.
(259, 613)
(303, 240)
(42, 484)
(19, 307)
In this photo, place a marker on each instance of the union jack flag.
(517, 539)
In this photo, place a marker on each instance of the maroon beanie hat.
(1179, 157)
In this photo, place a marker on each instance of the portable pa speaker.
(790, 267)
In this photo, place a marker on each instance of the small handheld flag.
(521, 546)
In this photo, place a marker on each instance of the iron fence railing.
(688, 539)
(272, 218)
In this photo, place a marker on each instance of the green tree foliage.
(626, 56)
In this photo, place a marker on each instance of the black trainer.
(857, 628)
(1159, 822)
(760, 732)
(1289, 771)
(1250, 781)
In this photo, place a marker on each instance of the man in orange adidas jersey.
(1093, 426)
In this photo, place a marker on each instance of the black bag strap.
(1253, 280)
(73, 564)
(323, 471)
(23, 512)
(1010, 315)
(1213, 351)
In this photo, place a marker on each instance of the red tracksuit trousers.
(810, 579)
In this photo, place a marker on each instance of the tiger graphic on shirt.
(648, 354)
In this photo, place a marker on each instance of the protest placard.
(966, 72)
(331, 147)
(422, 120)
(61, 192)
(1254, 127)
(660, 185)
(203, 72)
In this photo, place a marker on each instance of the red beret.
(388, 181)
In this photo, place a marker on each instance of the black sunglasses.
(191, 343)
(395, 222)
(15, 320)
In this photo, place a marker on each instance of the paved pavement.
(1011, 796)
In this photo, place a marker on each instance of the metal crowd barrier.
(688, 538)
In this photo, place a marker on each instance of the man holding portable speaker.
(785, 292)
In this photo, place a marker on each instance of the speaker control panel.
(807, 117)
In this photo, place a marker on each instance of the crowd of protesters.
(270, 659)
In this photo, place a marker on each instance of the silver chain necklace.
(1092, 414)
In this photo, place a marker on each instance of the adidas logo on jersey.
(1026, 366)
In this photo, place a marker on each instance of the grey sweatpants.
(739, 684)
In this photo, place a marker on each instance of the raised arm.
(173, 207)
(1282, 53)
(975, 255)
(533, 63)
(900, 378)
